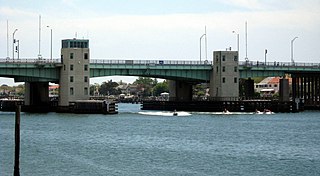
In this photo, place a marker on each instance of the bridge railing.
(277, 64)
(162, 62)
(29, 61)
(148, 62)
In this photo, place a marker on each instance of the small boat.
(225, 111)
(161, 113)
(265, 111)
(175, 113)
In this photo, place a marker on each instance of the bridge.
(34, 70)
(73, 70)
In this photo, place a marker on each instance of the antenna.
(246, 29)
(7, 39)
(39, 55)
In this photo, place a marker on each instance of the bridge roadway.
(34, 70)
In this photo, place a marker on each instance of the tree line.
(142, 86)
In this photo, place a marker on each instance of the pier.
(220, 106)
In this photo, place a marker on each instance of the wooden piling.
(17, 142)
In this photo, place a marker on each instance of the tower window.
(235, 69)
(223, 80)
(71, 78)
(223, 69)
(235, 79)
(85, 56)
(85, 91)
(235, 58)
(71, 91)
(71, 67)
(71, 55)
(86, 79)
(223, 58)
(85, 67)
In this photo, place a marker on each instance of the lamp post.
(50, 43)
(18, 49)
(292, 61)
(204, 35)
(13, 42)
(265, 57)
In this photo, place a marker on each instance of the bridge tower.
(75, 71)
(224, 81)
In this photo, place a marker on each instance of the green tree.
(144, 85)
(109, 88)
(160, 88)
(94, 89)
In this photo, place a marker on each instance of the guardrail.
(149, 62)
(277, 64)
(160, 62)
(110, 61)
(30, 61)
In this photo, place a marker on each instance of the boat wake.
(162, 113)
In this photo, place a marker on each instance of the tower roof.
(75, 43)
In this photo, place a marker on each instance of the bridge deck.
(195, 71)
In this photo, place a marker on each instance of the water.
(134, 144)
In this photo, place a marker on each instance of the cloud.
(170, 35)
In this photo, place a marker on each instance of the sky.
(164, 29)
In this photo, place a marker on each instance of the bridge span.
(46, 70)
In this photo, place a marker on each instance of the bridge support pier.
(36, 94)
(249, 88)
(306, 87)
(284, 90)
(180, 91)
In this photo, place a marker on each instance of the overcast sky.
(165, 29)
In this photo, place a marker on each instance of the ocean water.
(131, 143)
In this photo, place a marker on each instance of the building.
(225, 78)
(269, 86)
(75, 71)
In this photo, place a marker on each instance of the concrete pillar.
(294, 86)
(284, 90)
(36, 94)
(249, 88)
(180, 91)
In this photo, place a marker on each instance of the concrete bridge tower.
(75, 71)
(224, 83)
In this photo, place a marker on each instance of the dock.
(219, 106)
(77, 107)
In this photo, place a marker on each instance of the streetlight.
(13, 42)
(237, 40)
(265, 57)
(204, 35)
(50, 42)
(18, 49)
(292, 61)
